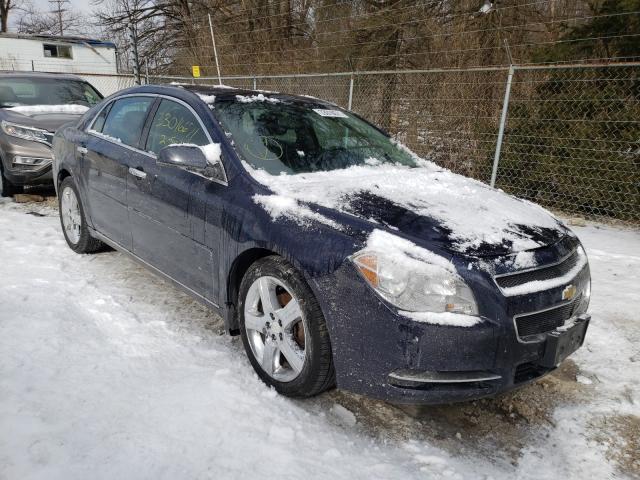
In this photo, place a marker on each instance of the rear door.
(167, 231)
(112, 147)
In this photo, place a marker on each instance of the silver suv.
(32, 107)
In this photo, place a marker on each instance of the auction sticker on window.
(330, 113)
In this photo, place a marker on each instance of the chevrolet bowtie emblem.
(569, 292)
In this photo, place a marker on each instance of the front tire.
(8, 189)
(73, 220)
(283, 330)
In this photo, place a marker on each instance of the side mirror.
(189, 156)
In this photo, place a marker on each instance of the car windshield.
(285, 136)
(24, 91)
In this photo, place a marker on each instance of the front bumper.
(387, 356)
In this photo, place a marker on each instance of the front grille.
(541, 273)
(546, 321)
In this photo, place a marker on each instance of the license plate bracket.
(564, 341)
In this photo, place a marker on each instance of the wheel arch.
(237, 271)
(62, 174)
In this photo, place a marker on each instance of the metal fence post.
(350, 101)
(215, 50)
(255, 83)
(503, 121)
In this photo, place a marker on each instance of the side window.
(126, 119)
(57, 51)
(98, 123)
(174, 123)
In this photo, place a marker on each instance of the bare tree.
(160, 29)
(287, 36)
(33, 21)
(7, 6)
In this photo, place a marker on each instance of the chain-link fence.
(572, 140)
(564, 136)
(108, 84)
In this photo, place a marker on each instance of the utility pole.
(59, 11)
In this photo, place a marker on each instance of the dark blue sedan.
(338, 255)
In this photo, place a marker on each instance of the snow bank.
(37, 109)
(471, 210)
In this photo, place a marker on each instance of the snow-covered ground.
(108, 372)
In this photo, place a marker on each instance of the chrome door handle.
(82, 150)
(137, 172)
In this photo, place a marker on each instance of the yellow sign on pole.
(195, 70)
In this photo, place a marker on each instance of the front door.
(163, 222)
(111, 146)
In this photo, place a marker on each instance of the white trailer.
(50, 53)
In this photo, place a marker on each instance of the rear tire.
(289, 348)
(8, 189)
(73, 220)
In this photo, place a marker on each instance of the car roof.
(225, 91)
(219, 91)
(14, 74)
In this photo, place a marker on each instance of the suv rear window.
(23, 91)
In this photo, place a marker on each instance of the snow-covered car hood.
(47, 117)
(427, 203)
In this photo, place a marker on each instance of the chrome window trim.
(89, 127)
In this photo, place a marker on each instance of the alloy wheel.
(276, 328)
(70, 214)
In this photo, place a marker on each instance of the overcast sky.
(83, 6)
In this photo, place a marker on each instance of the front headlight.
(414, 285)
(586, 291)
(22, 131)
